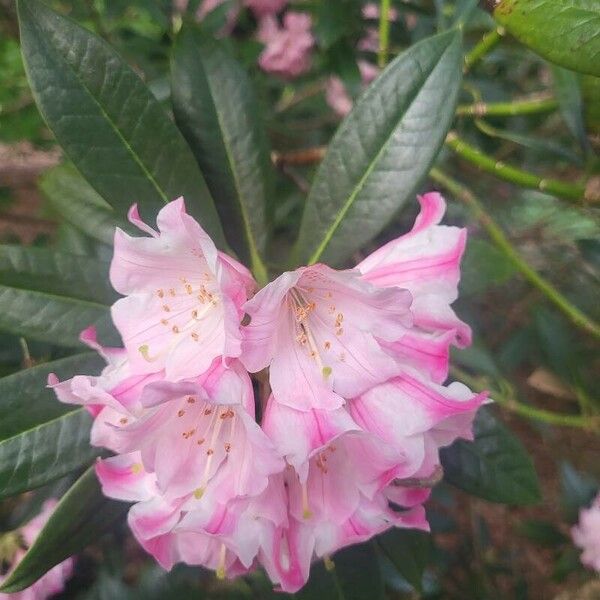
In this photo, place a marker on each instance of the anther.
(191, 400)
(180, 413)
(175, 329)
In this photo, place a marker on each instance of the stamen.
(221, 568)
(136, 468)
(145, 352)
(306, 512)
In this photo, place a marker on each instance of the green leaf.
(567, 88)
(484, 266)
(216, 109)
(81, 517)
(495, 466)
(72, 197)
(409, 551)
(106, 119)
(577, 490)
(355, 576)
(26, 402)
(40, 438)
(53, 296)
(542, 532)
(45, 452)
(565, 32)
(382, 150)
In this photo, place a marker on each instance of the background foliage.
(142, 105)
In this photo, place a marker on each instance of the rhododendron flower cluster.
(54, 580)
(350, 368)
(586, 535)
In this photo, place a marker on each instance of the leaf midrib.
(358, 188)
(57, 51)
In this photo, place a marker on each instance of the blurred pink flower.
(181, 295)
(265, 7)
(287, 49)
(586, 535)
(53, 582)
(335, 91)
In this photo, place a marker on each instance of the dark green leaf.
(483, 266)
(577, 490)
(409, 551)
(45, 452)
(495, 466)
(567, 88)
(53, 296)
(26, 402)
(106, 119)
(79, 204)
(565, 32)
(80, 518)
(382, 150)
(542, 532)
(216, 109)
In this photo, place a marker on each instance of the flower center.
(183, 309)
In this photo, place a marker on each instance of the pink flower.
(265, 7)
(586, 535)
(318, 331)
(336, 94)
(426, 262)
(53, 582)
(287, 50)
(183, 298)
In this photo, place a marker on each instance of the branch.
(485, 46)
(465, 195)
(529, 106)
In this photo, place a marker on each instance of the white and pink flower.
(354, 407)
(586, 535)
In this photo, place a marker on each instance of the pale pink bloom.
(183, 298)
(287, 49)
(335, 91)
(586, 535)
(265, 7)
(416, 418)
(426, 262)
(53, 582)
(318, 330)
(370, 41)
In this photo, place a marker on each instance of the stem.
(569, 191)
(465, 195)
(486, 45)
(530, 106)
(384, 33)
(508, 401)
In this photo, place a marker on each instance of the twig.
(529, 106)
(485, 46)
(506, 398)
(384, 33)
(465, 195)
(573, 192)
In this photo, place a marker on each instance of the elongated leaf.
(26, 402)
(53, 296)
(567, 87)
(216, 109)
(409, 551)
(72, 197)
(106, 119)
(382, 150)
(80, 518)
(45, 452)
(40, 269)
(495, 466)
(566, 32)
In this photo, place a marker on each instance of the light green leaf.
(81, 517)
(566, 32)
(382, 150)
(106, 119)
(216, 109)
